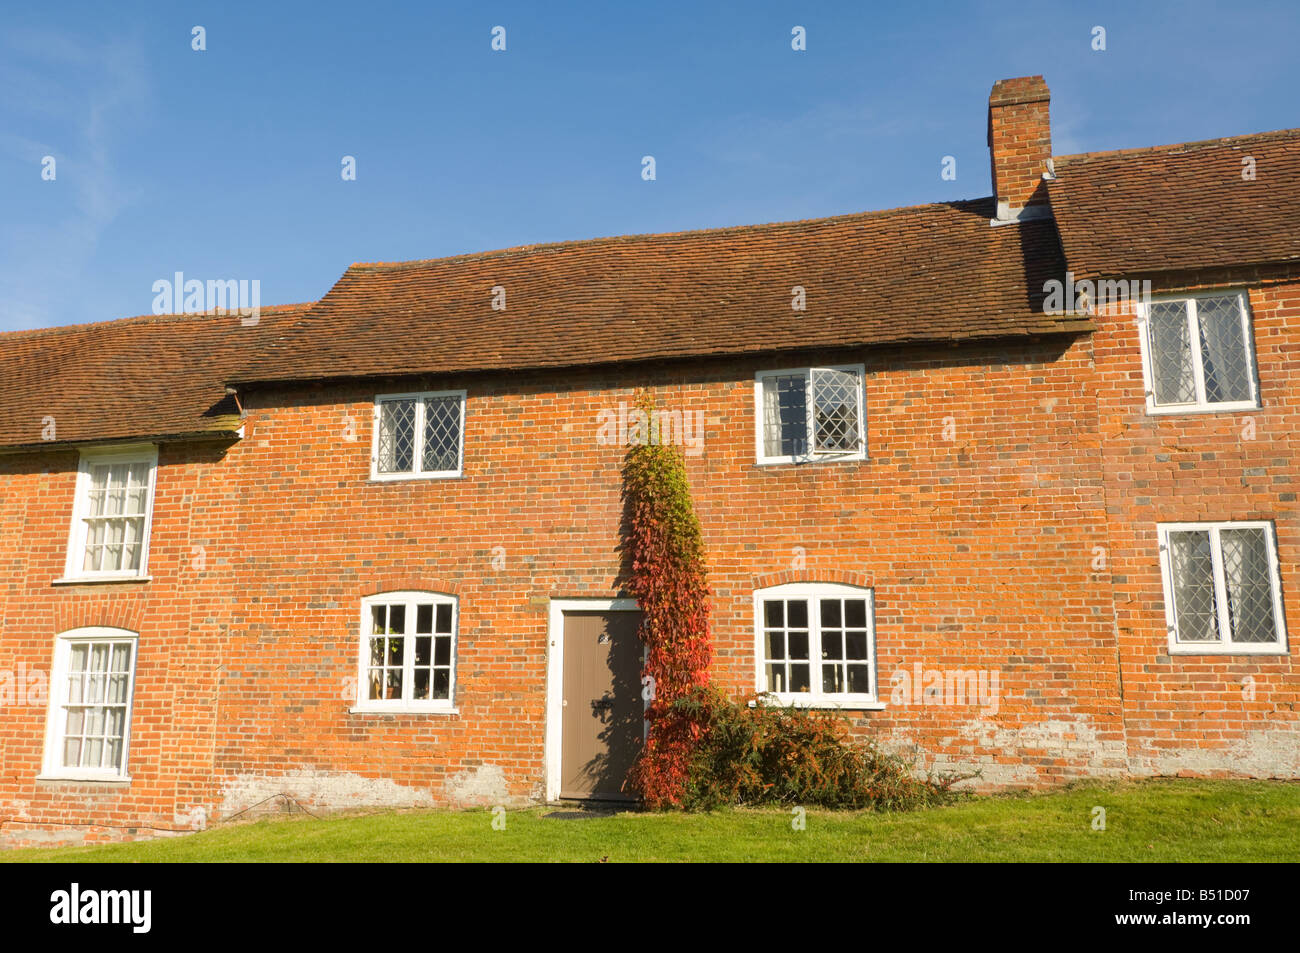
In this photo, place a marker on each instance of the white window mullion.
(1198, 366)
(862, 412)
(1248, 342)
(810, 448)
(1220, 587)
(408, 652)
(871, 645)
(417, 460)
(815, 688)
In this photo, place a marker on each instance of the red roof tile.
(928, 273)
(1139, 212)
(151, 376)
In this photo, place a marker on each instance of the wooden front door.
(603, 722)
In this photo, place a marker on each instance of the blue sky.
(226, 163)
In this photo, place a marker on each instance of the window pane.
(441, 434)
(1194, 603)
(94, 547)
(831, 613)
(774, 611)
(396, 436)
(444, 618)
(855, 613)
(855, 645)
(798, 645)
(1250, 585)
(442, 683)
(397, 620)
(424, 619)
(785, 416)
(860, 679)
(1223, 349)
(442, 650)
(832, 645)
(420, 689)
(776, 645)
(797, 614)
(836, 427)
(832, 679)
(423, 649)
(1171, 353)
(117, 685)
(799, 678)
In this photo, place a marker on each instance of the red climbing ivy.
(669, 579)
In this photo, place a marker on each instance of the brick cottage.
(365, 552)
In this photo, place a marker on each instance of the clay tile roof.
(1137, 212)
(927, 273)
(151, 376)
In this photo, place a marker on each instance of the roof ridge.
(28, 333)
(1175, 146)
(687, 233)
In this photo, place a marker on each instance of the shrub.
(764, 754)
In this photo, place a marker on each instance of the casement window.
(1198, 353)
(1223, 592)
(815, 645)
(809, 414)
(408, 652)
(112, 514)
(418, 435)
(89, 723)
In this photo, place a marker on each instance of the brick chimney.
(1020, 147)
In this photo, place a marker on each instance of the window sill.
(1220, 651)
(808, 461)
(97, 580)
(837, 704)
(414, 477)
(115, 781)
(377, 710)
(1189, 410)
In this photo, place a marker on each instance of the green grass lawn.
(1164, 820)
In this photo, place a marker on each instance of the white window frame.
(814, 592)
(812, 456)
(417, 457)
(410, 599)
(1225, 647)
(57, 718)
(1200, 405)
(76, 556)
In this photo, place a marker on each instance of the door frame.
(555, 678)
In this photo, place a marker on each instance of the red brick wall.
(977, 519)
(1195, 714)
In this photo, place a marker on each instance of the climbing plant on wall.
(669, 578)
